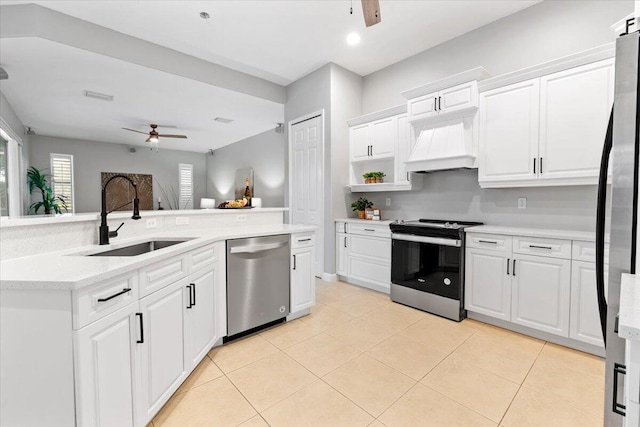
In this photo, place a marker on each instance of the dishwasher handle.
(256, 248)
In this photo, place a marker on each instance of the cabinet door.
(199, 316)
(508, 141)
(487, 284)
(405, 145)
(574, 111)
(342, 243)
(303, 285)
(422, 106)
(104, 370)
(585, 317)
(360, 141)
(162, 348)
(458, 97)
(541, 293)
(384, 134)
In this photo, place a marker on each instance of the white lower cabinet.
(199, 316)
(342, 242)
(105, 370)
(540, 293)
(303, 283)
(161, 340)
(585, 317)
(489, 273)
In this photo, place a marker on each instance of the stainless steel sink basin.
(140, 248)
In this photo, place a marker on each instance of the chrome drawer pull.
(124, 291)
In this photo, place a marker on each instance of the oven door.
(428, 264)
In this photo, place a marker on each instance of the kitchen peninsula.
(128, 329)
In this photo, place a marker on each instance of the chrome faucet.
(104, 228)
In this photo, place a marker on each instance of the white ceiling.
(282, 41)
(279, 41)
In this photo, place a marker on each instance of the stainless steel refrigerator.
(623, 144)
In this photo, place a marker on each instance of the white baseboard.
(328, 277)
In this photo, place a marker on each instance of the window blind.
(185, 177)
(62, 178)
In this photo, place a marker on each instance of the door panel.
(360, 141)
(585, 316)
(487, 284)
(383, 141)
(199, 319)
(302, 281)
(459, 97)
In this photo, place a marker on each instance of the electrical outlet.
(387, 201)
(241, 218)
(182, 220)
(522, 203)
(152, 223)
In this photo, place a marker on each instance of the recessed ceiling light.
(98, 95)
(204, 15)
(222, 120)
(353, 39)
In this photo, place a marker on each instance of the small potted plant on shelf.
(378, 177)
(368, 177)
(360, 205)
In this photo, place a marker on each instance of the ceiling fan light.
(152, 139)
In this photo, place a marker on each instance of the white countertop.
(589, 236)
(364, 221)
(629, 315)
(71, 269)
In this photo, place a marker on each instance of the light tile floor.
(360, 360)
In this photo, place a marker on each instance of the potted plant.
(360, 205)
(368, 177)
(378, 177)
(38, 180)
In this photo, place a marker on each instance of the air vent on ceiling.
(98, 95)
(222, 120)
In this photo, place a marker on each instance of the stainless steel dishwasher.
(257, 282)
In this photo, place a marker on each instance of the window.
(4, 188)
(62, 178)
(185, 177)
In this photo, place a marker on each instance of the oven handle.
(424, 239)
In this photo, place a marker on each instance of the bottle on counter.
(247, 191)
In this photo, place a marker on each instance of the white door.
(162, 364)
(384, 138)
(458, 97)
(307, 180)
(585, 316)
(303, 290)
(574, 112)
(360, 142)
(405, 145)
(508, 144)
(488, 283)
(199, 316)
(342, 242)
(540, 293)
(104, 370)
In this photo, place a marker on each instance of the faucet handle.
(114, 233)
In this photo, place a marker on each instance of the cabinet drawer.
(554, 248)
(489, 241)
(302, 240)
(158, 275)
(370, 272)
(586, 251)
(378, 249)
(202, 257)
(95, 302)
(369, 229)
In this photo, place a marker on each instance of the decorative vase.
(361, 214)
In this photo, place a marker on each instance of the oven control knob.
(447, 281)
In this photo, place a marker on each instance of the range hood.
(443, 146)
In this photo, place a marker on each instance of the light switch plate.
(387, 201)
(182, 220)
(152, 223)
(522, 203)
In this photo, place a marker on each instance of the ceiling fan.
(154, 135)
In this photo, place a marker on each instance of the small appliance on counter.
(427, 265)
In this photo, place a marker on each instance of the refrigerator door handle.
(618, 408)
(600, 227)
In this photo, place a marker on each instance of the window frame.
(184, 167)
(52, 156)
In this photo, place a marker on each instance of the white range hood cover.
(447, 146)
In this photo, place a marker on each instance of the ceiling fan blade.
(371, 12)
(172, 136)
(133, 130)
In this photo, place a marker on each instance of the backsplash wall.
(456, 195)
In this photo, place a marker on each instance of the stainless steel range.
(427, 265)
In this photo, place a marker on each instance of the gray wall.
(90, 158)
(545, 31)
(265, 153)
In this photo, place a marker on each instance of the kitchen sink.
(139, 248)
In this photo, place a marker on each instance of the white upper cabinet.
(384, 137)
(509, 132)
(404, 147)
(548, 130)
(574, 112)
(423, 106)
(360, 139)
(448, 100)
